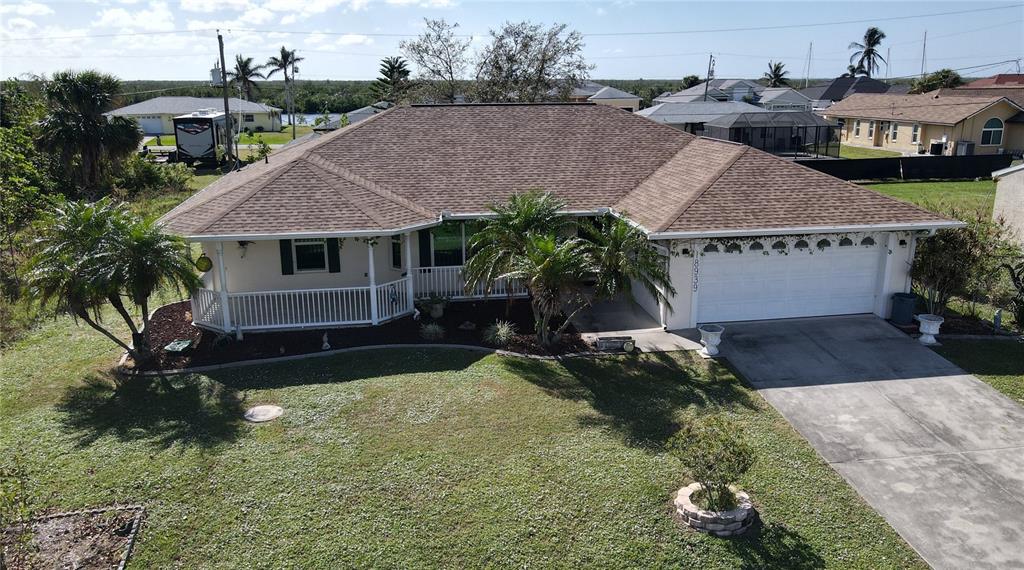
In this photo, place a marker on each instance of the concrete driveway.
(937, 452)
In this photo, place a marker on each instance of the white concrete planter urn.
(717, 523)
(710, 337)
(929, 326)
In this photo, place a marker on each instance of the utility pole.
(807, 74)
(888, 56)
(711, 73)
(232, 156)
(291, 97)
(924, 52)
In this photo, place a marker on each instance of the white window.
(310, 255)
(250, 119)
(992, 132)
(856, 128)
(895, 131)
(915, 133)
(396, 252)
(871, 129)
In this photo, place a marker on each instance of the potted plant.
(710, 337)
(433, 305)
(929, 326)
(714, 452)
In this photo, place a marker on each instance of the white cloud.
(423, 3)
(208, 7)
(156, 18)
(26, 9)
(289, 19)
(257, 16)
(354, 40)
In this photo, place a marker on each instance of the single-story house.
(1009, 204)
(594, 92)
(997, 81)
(356, 116)
(792, 133)
(691, 117)
(351, 227)
(824, 95)
(930, 123)
(783, 99)
(1015, 94)
(155, 115)
(718, 90)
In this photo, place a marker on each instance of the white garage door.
(151, 126)
(817, 278)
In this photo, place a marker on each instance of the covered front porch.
(332, 282)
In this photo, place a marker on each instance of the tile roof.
(410, 166)
(1015, 94)
(185, 105)
(997, 81)
(612, 93)
(923, 108)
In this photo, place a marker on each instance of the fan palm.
(867, 51)
(245, 75)
(393, 83)
(624, 256)
(285, 63)
(776, 74)
(76, 130)
(854, 71)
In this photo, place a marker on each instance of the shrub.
(714, 452)
(432, 331)
(140, 175)
(500, 334)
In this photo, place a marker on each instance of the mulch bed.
(174, 322)
(87, 539)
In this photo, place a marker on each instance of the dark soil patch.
(174, 322)
(80, 540)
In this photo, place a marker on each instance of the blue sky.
(345, 39)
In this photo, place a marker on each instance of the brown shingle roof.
(408, 166)
(923, 108)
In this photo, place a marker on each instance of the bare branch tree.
(441, 58)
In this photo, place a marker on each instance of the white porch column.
(225, 309)
(462, 227)
(411, 289)
(373, 285)
(697, 247)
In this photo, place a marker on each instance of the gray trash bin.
(903, 308)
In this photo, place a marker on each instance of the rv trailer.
(201, 137)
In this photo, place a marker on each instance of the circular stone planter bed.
(717, 523)
(174, 322)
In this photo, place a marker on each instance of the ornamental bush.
(716, 455)
(500, 334)
(431, 331)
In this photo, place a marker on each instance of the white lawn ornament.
(710, 337)
(929, 326)
(326, 345)
(415, 314)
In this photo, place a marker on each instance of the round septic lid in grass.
(259, 414)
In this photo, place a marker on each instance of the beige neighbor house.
(1009, 204)
(351, 227)
(155, 115)
(930, 123)
(593, 92)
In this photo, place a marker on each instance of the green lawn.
(419, 458)
(1000, 363)
(285, 136)
(965, 195)
(855, 152)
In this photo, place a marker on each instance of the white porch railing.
(393, 299)
(450, 282)
(206, 309)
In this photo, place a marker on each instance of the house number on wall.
(696, 271)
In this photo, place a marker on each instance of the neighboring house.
(155, 115)
(783, 99)
(824, 95)
(351, 227)
(997, 81)
(1015, 94)
(594, 92)
(791, 133)
(718, 90)
(691, 117)
(929, 123)
(360, 114)
(1009, 204)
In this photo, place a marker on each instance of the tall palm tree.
(867, 51)
(75, 128)
(776, 74)
(285, 63)
(393, 83)
(245, 74)
(854, 71)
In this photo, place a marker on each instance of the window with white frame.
(915, 133)
(310, 255)
(894, 131)
(856, 128)
(396, 252)
(249, 119)
(992, 132)
(871, 129)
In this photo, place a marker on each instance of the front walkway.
(937, 452)
(623, 317)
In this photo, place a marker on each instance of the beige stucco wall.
(631, 104)
(1009, 203)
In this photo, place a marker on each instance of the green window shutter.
(287, 265)
(333, 256)
(424, 248)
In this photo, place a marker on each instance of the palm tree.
(284, 62)
(75, 128)
(867, 54)
(854, 71)
(624, 255)
(393, 83)
(776, 75)
(245, 74)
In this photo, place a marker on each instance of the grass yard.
(285, 136)
(419, 458)
(857, 152)
(1000, 363)
(970, 194)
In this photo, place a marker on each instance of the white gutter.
(320, 234)
(808, 230)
